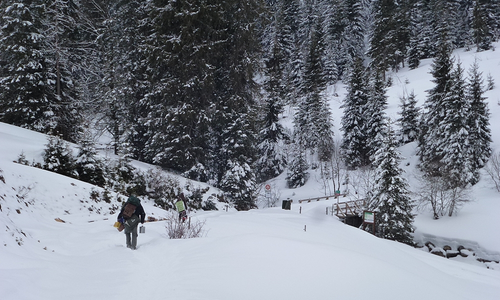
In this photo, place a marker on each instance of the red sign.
(268, 187)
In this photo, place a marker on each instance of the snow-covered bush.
(177, 229)
(493, 169)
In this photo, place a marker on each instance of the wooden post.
(300, 210)
(305, 227)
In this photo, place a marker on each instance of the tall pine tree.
(355, 140)
(391, 197)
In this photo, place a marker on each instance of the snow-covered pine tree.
(297, 174)
(287, 29)
(383, 47)
(271, 160)
(87, 164)
(313, 118)
(409, 119)
(434, 111)
(375, 114)
(391, 197)
(481, 25)
(478, 119)
(355, 140)
(62, 49)
(58, 157)
(454, 146)
(238, 178)
(124, 70)
(23, 74)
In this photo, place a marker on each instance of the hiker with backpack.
(181, 207)
(130, 215)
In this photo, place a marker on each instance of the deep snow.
(261, 254)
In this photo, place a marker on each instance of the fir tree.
(271, 161)
(383, 46)
(454, 145)
(355, 140)
(23, 76)
(88, 166)
(391, 197)
(478, 120)
(409, 119)
(375, 115)
(435, 110)
(237, 179)
(313, 118)
(297, 174)
(483, 38)
(58, 157)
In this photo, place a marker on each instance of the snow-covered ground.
(261, 254)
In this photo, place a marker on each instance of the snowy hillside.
(261, 254)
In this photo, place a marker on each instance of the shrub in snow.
(436, 194)
(209, 205)
(493, 169)
(184, 230)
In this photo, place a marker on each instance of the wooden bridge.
(341, 209)
(336, 196)
(349, 212)
(348, 208)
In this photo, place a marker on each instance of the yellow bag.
(117, 224)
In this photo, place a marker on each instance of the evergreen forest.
(197, 87)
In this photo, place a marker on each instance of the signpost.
(369, 218)
(268, 194)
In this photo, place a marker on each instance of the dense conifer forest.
(198, 86)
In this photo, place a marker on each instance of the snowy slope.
(260, 254)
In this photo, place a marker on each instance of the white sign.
(368, 217)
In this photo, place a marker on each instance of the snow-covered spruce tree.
(124, 70)
(409, 118)
(23, 67)
(287, 36)
(434, 111)
(62, 48)
(454, 145)
(313, 122)
(478, 120)
(391, 198)
(297, 174)
(355, 140)
(355, 28)
(58, 157)
(383, 48)
(271, 160)
(238, 178)
(481, 25)
(375, 114)
(88, 166)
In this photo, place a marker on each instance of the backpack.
(128, 210)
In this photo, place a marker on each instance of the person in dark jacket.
(131, 222)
